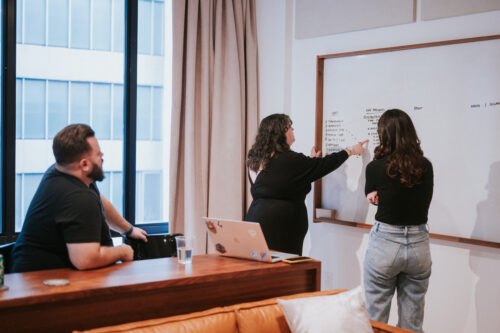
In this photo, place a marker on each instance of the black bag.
(157, 246)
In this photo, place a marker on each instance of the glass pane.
(57, 107)
(19, 108)
(139, 193)
(101, 32)
(143, 113)
(101, 110)
(157, 112)
(80, 103)
(34, 23)
(118, 111)
(144, 27)
(118, 23)
(158, 14)
(58, 85)
(19, 21)
(19, 201)
(153, 111)
(104, 185)
(152, 197)
(58, 23)
(30, 185)
(117, 193)
(80, 24)
(34, 109)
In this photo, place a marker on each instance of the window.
(80, 24)
(118, 112)
(34, 23)
(158, 27)
(144, 27)
(34, 109)
(143, 113)
(79, 111)
(57, 107)
(118, 24)
(153, 115)
(101, 30)
(101, 110)
(117, 190)
(69, 70)
(157, 113)
(58, 23)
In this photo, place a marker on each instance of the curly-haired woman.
(281, 179)
(400, 181)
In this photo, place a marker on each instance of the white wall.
(464, 292)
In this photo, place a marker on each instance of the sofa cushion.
(264, 319)
(266, 316)
(216, 320)
(344, 312)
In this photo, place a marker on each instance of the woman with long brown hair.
(400, 181)
(281, 179)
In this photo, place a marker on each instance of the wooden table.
(144, 289)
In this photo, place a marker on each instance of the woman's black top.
(278, 195)
(398, 204)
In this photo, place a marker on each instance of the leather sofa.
(259, 316)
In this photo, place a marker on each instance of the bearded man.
(68, 220)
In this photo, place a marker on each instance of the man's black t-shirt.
(63, 210)
(398, 204)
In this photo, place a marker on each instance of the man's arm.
(93, 255)
(118, 223)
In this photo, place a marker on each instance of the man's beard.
(96, 173)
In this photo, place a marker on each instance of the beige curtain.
(214, 112)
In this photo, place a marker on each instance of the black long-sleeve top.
(278, 196)
(398, 204)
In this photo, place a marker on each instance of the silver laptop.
(241, 239)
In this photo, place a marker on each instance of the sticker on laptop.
(220, 248)
(263, 255)
(252, 233)
(211, 226)
(254, 254)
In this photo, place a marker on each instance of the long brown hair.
(270, 141)
(400, 144)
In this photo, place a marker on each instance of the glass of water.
(184, 249)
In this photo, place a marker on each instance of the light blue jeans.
(397, 258)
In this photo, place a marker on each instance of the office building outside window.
(70, 70)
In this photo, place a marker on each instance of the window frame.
(8, 125)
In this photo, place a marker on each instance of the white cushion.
(342, 313)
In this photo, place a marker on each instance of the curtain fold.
(214, 111)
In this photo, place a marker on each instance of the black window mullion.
(130, 116)
(8, 126)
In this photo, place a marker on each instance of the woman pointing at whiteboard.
(400, 181)
(280, 180)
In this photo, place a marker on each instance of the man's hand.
(128, 252)
(139, 233)
(118, 223)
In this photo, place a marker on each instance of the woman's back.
(399, 204)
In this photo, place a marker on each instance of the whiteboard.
(452, 93)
